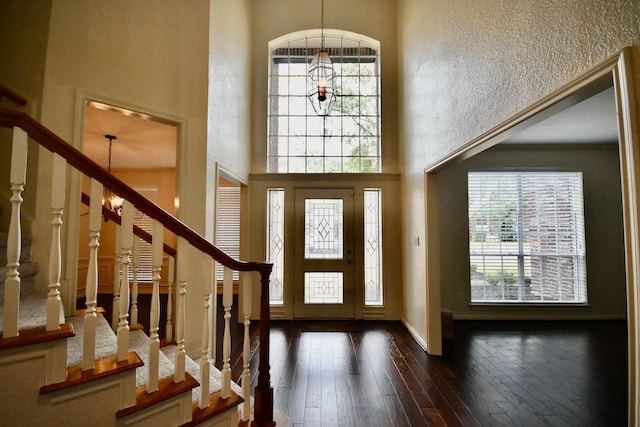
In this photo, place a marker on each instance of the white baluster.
(179, 363)
(154, 340)
(227, 302)
(171, 281)
(117, 279)
(246, 348)
(127, 240)
(181, 271)
(14, 238)
(205, 366)
(58, 177)
(134, 283)
(90, 317)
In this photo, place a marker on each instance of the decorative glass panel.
(324, 229)
(275, 244)
(322, 287)
(372, 247)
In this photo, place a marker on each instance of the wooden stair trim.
(37, 335)
(12, 95)
(166, 390)
(83, 311)
(103, 368)
(217, 405)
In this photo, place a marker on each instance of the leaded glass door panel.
(323, 253)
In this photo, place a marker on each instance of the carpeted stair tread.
(106, 341)
(139, 342)
(193, 368)
(32, 312)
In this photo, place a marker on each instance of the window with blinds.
(228, 226)
(145, 261)
(526, 237)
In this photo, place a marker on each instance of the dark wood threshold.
(217, 405)
(103, 368)
(37, 335)
(166, 390)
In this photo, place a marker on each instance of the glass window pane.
(356, 112)
(275, 244)
(324, 229)
(372, 247)
(526, 237)
(322, 287)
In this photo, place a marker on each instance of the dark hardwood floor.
(492, 374)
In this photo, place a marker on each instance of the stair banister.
(12, 95)
(126, 241)
(18, 175)
(90, 316)
(58, 178)
(154, 339)
(134, 281)
(246, 348)
(49, 140)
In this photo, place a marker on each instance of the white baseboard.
(533, 316)
(421, 342)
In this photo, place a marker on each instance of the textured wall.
(467, 66)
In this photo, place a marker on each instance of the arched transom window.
(348, 139)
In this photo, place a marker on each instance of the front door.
(324, 253)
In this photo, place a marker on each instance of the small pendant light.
(322, 77)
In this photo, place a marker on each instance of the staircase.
(86, 369)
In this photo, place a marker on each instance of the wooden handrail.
(111, 215)
(55, 144)
(12, 95)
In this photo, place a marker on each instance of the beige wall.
(599, 165)
(467, 66)
(24, 28)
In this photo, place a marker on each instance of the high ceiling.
(142, 142)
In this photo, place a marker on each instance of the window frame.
(292, 149)
(550, 241)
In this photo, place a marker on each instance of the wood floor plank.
(512, 373)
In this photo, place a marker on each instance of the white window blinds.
(145, 262)
(526, 237)
(228, 226)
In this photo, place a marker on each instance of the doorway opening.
(140, 149)
(610, 78)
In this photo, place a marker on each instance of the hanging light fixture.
(110, 199)
(322, 93)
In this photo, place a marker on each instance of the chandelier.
(110, 199)
(322, 77)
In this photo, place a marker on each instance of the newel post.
(263, 411)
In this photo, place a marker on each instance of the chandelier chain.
(322, 24)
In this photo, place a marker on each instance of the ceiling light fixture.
(322, 93)
(110, 199)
